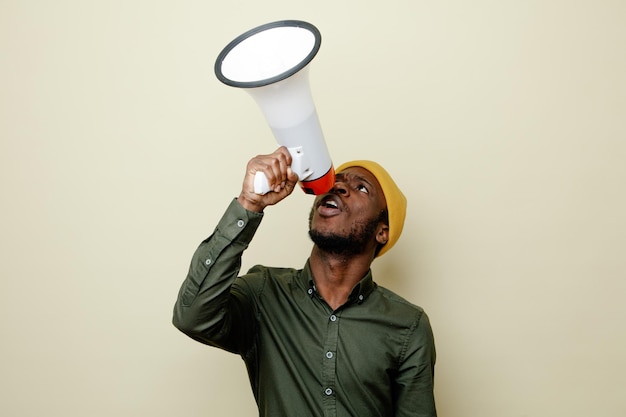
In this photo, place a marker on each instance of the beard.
(353, 243)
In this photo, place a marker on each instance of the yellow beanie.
(396, 201)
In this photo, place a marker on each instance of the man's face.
(348, 218)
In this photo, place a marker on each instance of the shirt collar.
(359, 293)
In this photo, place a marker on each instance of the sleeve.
(414, 383)
(206, 309)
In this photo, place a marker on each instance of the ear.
(382, 236)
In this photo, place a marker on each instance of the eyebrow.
(341, 176)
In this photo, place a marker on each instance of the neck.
(336, 275)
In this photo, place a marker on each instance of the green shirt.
(373, 356)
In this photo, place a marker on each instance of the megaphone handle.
(299, 165)
(261, 186)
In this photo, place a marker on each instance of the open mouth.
(329, 206)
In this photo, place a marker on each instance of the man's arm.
(206, 309)
(413, 386)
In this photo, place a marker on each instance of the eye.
(362, 188)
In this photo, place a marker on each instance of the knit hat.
(396, 201)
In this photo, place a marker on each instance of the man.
(324, 340)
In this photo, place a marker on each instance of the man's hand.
(281, 178)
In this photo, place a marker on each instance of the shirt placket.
(329, 366)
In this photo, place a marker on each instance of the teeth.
(331, 204)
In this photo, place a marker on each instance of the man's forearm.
(201, 308)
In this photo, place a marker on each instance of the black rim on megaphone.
(279, 77)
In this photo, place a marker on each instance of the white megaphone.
(270, 62)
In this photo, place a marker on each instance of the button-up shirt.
(373, 356)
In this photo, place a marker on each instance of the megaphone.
(271, 63)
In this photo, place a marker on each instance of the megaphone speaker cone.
(271, 63)
(268, 53)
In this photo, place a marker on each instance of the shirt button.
(310, 291)
(329, 355)
(333, 318)
(207, 262)
(240, 223)
(328, 391)
(361, 297)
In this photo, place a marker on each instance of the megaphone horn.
(271, 63)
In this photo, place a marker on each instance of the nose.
(340, 188)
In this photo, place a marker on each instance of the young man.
(324, 340)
